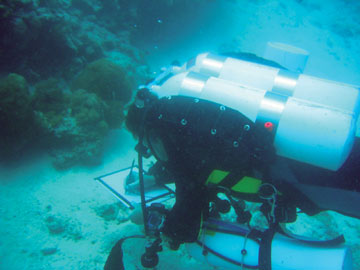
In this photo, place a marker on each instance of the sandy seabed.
(66, 220)
(52, 220)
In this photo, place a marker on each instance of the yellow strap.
(247, 185)
(216, 177)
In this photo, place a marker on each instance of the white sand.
(34, 191)
(33, 196)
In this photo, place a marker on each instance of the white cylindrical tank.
(306, 131)
(290, 57)
(229, 246)
(330, 93)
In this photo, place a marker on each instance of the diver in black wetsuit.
(204, 145)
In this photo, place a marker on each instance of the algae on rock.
(73, 124)
(81, 133)
(110, 82)
(50, 102)
(16, 116)
(106, 79)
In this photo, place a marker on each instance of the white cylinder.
(307, 131)
(227, 245)
(290, 57)
(315, 134)
(330, 93)
(224, 249)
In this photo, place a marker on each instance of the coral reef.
(69, 28)
(49, 96)
(71, 125)
(80, 133)
(55, 40)
(50, 103)
(106, 79)
(111, 83)
(16, 116)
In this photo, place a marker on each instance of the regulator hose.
(115, 258)
(142, 191)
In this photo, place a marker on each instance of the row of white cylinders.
(317, 118)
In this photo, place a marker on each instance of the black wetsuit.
(191, 137)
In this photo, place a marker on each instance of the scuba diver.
(203, 145)
(206, 148)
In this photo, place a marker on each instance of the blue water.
(62, 219)
(215, 26)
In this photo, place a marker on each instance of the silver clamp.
(193, 84)
(274, 101)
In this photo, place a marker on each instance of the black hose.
(115, 258)
(142, 191)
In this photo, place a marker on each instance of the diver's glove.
(170, 242)
(161, 174)
(143, 150)
(156, 218)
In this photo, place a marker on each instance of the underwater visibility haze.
(69, 70)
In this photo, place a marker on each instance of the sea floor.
(52, 220)
(66, 220)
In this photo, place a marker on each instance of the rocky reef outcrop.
(17, 121)
(76, 131)
(68, 69)
(59, 37)
(111, 83)
(71, 124)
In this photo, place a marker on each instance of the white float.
(290, 57)
(307, 130)
(331, 93)
(231, 246)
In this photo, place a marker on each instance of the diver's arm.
(161, 173)
(183, 222)
(156, 176)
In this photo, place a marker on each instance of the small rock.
(49, 251)
(55, 225)
(107, 212)
(136, 216)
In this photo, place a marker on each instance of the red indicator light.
(269, 126)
